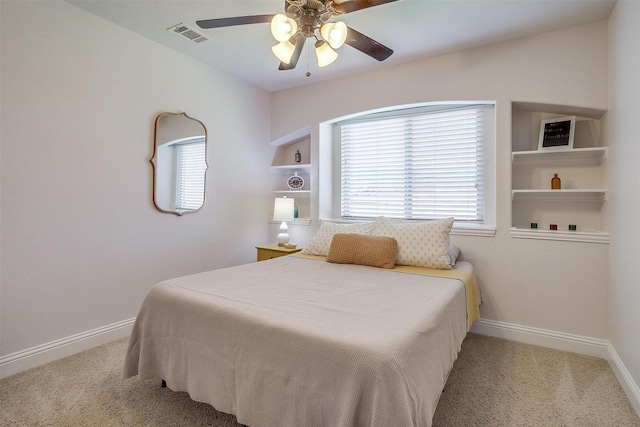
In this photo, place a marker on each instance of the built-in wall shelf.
(293, 157)
(571, 195)
(560, 110)
(297, 167)
(297, 135)
(294, 194)
(582, 195)
(296, 221)
(588, 236)
(582, 156)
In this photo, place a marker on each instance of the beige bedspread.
(302, 342)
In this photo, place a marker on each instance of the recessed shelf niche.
(582, 197)
(284, 165)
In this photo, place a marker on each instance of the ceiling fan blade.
(300, 39)
(352, 6)
(367, 45)
(230, 22)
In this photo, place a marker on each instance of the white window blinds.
(190, 168)
(420, 165)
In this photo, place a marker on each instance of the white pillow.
(321, 242)
(454, 253)
(422, 244)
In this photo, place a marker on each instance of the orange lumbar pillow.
(361, 249)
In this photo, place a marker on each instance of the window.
(190, 168)
(417, 163)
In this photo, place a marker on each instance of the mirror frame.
(154, 165)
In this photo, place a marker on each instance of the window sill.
(456, 230)
(473, 230)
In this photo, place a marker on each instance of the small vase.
(298, 156)
(555, 182)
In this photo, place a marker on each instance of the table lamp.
(283, 211)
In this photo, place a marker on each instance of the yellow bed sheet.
(466, 277)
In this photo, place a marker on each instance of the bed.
(301, 341)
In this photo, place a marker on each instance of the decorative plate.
(295, 182)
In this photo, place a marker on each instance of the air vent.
(188, 32)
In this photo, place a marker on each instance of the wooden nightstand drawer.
(274, 251)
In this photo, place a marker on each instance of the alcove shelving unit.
(581, 169)
(284, 166)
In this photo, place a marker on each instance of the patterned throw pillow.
(423, 244)
(360, 249)
(320, 243)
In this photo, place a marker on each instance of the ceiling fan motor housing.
(310, 14)
(308, 23)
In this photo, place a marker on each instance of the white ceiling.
(412, 28)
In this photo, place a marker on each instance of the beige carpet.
(493, 383)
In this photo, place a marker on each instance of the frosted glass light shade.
(334, 33)
(325, 54)
(283, 27)
(284, 51)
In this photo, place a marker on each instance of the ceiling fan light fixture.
(283, 27)
(284, 51)
(325, 54)
(307, 20)
(334, 33)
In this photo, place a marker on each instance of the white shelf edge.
(302, 193)
(589, 155)
(587, 112)
(586, 236)
(300, 166)
(568, 195)
(296, 221)
(292, 137)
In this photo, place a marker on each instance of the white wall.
(622, 132)
(81, 240)
(551, 285)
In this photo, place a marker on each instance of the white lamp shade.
(283, 209)
(334, 33)
(284, 51)
(283, 27)
(325, 54)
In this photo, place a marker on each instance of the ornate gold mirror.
(179, 163)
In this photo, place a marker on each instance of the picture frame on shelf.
(557, 134)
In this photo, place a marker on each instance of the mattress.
(299, 341)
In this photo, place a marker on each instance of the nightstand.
(274, 251)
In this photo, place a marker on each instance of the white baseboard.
(36, 356)
(543, 337)
(566, 342)
(45, 353)
(629, 386)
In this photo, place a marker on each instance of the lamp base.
(283, 237)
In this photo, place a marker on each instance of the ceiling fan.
(302, 20)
